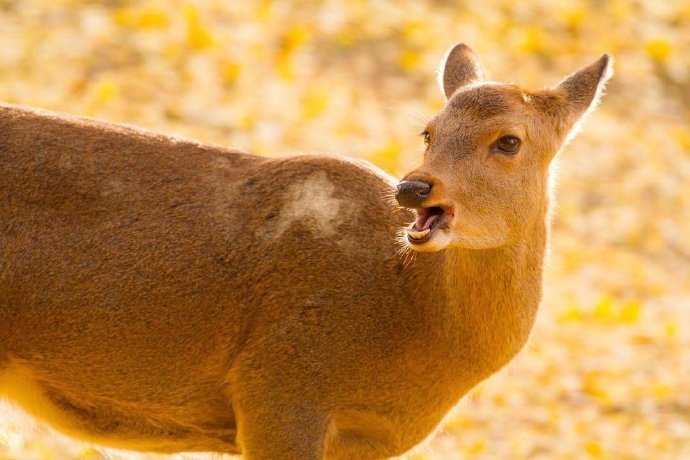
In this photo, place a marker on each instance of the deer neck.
(483, 303)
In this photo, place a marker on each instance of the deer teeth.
(418, 235)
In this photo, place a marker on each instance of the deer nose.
(411, 193)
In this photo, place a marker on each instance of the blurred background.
(607, 371)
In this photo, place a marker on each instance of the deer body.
(164, 295)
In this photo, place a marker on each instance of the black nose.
(412, 193)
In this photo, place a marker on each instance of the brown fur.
(165, 295)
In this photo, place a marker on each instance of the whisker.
(407, 255)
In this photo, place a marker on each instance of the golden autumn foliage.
(606, 374)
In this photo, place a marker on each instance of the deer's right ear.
(583, 89)
(459, 68)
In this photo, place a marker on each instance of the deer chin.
(437, 227)
(439, 240)
(431, 231)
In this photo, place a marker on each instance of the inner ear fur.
(459, 68)
(583, 89)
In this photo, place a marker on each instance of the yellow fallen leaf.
(573, 14)
(603, 310)
(143, 18)
(630, 312)
(230, 71)
(409, 60)
(594, 449)
(284, 66)
(199, 36)
(658, 49)
(477, 447)
(671, 329)
(314, 103)
(89, 453)
(105, 90)
(295, 37)
(661, 390)
(533, 40)
(387, 157)
(570, 314)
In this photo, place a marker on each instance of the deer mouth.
(429, 220)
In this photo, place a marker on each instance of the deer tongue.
(424, 221)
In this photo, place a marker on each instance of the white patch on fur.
(312, 205)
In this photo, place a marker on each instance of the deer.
(160, 294)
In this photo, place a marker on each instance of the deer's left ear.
(459, 68)
(583, 89)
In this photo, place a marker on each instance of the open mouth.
(429, 220)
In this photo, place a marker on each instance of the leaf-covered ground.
(607, 371)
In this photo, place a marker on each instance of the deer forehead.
(310, 203)
(488, 100)
(485, 110)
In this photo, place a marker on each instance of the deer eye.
(427, 138)
(508, 145)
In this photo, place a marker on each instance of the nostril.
(410, 194)
(413, 186)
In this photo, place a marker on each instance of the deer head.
(484, 179)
